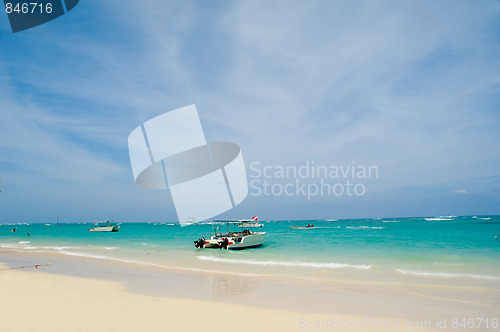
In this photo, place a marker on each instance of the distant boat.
(303, 227)
(250, 223)
(104, 226)
(189, 222)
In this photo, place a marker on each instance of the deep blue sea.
(442, 248)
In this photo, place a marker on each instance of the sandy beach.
(41, 301)
(81, 294)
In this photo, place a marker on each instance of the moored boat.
(239, 235)
(254, 222)
(104, 226)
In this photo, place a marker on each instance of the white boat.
(302, 227)
(189, 222)
(234, 238)
(104, 226)
(249, 224)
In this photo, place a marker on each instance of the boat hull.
(105, 229)
(253, 240)
(246, 247)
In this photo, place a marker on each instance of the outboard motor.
(200, 243)
(224, 243)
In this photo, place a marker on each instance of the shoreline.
(410, 301)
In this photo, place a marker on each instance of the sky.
(411, 88)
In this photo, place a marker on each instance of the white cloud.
(460, 192)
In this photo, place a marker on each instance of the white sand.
(34, 300)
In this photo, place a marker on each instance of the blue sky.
(412, 87)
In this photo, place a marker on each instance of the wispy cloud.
(460, 192)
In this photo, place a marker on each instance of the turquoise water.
(438, 247)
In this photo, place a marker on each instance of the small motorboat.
(309, 226)
(104, 226)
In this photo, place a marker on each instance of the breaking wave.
(317, 265)
(446, 274)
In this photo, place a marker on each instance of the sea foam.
(364, 227)
(318, 265)
(446, 274)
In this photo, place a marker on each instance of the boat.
(250, 223)
(189, 222)
(104, 226)
(239, 235)
(303, 227)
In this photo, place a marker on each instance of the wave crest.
(317, 265)
(446, 274)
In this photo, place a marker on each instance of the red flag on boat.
(255, 219)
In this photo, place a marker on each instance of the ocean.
(437, 249)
